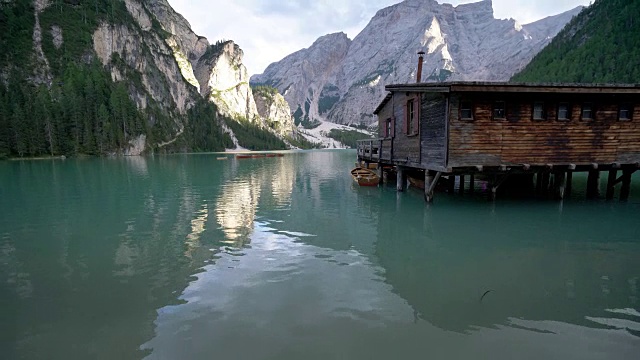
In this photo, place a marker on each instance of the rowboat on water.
(365, 177)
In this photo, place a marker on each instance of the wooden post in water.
(611, 183)
(560, 183)
(546, 179)
(472, 183)
(401, 179)
(430, 180)
(625, 191)
(569, 187)
(452, 184)
(461, 189)
(593, 184)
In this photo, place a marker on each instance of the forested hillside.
(58, 98)
(600, 45)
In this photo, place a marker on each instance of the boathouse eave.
(383, 103)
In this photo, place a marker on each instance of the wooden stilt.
(430, 181)
(472, 183)
(496, 182)
(546, 177)
(559, 184)
(401, 179)
(461, 187)
(611, 183)
(625, 191)
(593, 184)
(569, 187)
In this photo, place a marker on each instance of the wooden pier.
(501, 132)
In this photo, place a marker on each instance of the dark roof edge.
(453, 84)
(383, 103)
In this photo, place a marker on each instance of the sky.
(269, 30)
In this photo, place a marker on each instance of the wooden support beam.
(546, 178)
(472, 183)
(401, 179)
(430, 181)
(569, 186)
(611, 183)
(451, 186)
(526, 167)
(594, 166)
(572, 166)
(560, 183)
(625, 191)
(497, 182)
(479, 168)
(616, 166)
(593, 184)
(461, 187)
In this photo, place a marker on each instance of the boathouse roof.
(476, 86)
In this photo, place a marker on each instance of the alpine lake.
(195, 257)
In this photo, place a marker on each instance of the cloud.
(269, 30)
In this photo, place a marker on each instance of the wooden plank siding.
(386, 114)
(433, 134)
(406, 147)
(521, 139)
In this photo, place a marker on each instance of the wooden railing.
(369, 149)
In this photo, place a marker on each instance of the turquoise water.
(192, 257)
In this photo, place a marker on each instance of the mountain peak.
(465, 43)
(484, 7)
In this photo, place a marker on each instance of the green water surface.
(191, 257)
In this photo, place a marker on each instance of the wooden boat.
(243, 156)
(222, 158)
(365, 177)
(373, 166)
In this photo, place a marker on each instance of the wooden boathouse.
(494, 130)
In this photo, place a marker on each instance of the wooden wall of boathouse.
(520, 139)
(406, 142)
(433, 131)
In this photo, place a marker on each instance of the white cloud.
(268, 30)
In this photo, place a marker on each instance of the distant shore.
(61, 157)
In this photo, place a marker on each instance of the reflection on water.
(279, 294)
(99, 256)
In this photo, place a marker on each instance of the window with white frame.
(538, 110)
(624, 112)
(587, 111)
(466, 110)
(563, 112)
(499, 110)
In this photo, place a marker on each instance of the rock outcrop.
(342, 81)
(275, 111)
(184, 60)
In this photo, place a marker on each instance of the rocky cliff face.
(274, 109)
(343, 81)
(308, 78)
(216, 70)
(228, 83)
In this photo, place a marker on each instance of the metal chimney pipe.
(420, 60)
